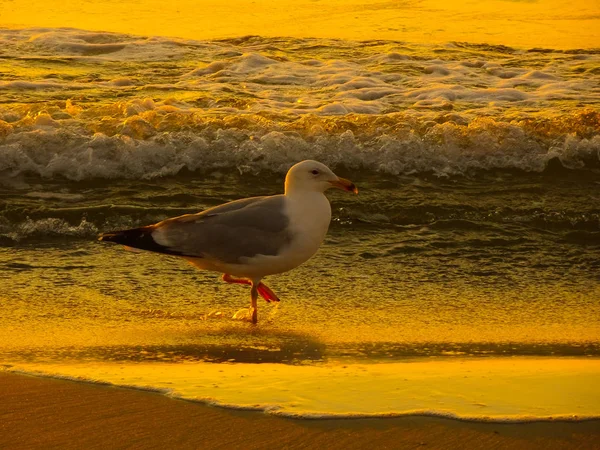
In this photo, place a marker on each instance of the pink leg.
(263, 290)
(229, 279)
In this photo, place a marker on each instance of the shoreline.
(496, 390)
(286, 414)
(36, 411)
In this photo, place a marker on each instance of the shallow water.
(414, 266)
(476, 233)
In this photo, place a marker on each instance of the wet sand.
(52, 413)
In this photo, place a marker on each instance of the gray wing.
(243, 228)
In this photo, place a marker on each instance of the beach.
(455, 301)
(50, 413)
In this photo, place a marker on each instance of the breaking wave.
(110, 106)
(141, 148)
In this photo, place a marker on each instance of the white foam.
(481, 390)
(46, 227)
(259, 104)
(98, 45)
(143, 150)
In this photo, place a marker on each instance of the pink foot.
(263, 290)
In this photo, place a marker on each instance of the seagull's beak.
(345, 185)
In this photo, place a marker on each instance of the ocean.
(472, 249)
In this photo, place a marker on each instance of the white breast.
(310, 215)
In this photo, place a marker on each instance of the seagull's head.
(316, 177)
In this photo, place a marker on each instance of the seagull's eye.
(314, 172)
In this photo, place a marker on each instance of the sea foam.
(143, 107)
(482, 390)
(142, 148)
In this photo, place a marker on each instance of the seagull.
(250, 238)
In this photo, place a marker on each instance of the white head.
(314, 176)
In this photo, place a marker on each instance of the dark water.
(496, 264)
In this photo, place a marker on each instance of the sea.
(462, 281)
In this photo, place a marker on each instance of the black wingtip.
(121, 237)
(135, 237)
(140, 238)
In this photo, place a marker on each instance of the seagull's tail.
(137, 238)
